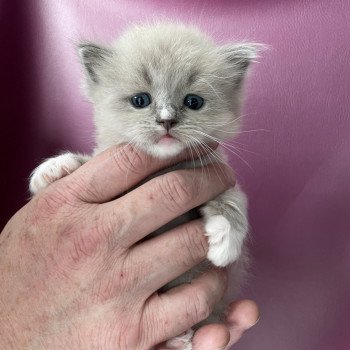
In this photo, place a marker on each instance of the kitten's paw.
(182, 341)
(52, 170)
(223, 249)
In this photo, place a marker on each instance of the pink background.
(298, 173)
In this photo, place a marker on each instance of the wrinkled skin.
(74, 274)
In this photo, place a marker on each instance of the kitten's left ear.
(239, 56)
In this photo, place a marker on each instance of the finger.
(163, 199)
(116, 170)
(241, 315)
(211, 337)
(173, 253)
(184, 306)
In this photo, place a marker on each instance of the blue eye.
(193, 102)
(141, 100)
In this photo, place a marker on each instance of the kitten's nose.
(167, 123)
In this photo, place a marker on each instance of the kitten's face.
(164, 88)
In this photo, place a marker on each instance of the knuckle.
(111, 226)
(194, 243)
(223, 275)
(80, 240)
(66, 191)
(177, 190)
(85, 245)
(114, 281)
(150, 332)
(90, 233)
(47, 203)
(129, 160)
(200, 306)
(226, 172)
(83, 192)
(44, 208)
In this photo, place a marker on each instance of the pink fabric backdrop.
(298, 173)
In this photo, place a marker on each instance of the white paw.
(223, 247)
(52, 170)
(182, 341)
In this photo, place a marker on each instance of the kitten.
(165, 87)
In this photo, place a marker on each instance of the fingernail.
(231, 177)
(221, 348)
(255, 322)
(213, 145)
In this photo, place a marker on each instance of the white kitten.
(166, 87)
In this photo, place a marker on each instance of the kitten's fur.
(168, 61)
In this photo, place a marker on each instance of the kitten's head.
(165, 87)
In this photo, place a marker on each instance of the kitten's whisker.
(212, 154)
(193, 144)
(242, 149)
(223, 123)
(253, 130)
(202, 165)
(188, 145)
(214, 158)
(241, 131)
(224, 145)
(238, 143)
(228, 122)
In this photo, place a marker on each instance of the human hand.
(75, 274)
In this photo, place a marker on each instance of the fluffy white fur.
(168, 61)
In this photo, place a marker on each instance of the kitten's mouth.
(167, 139)
(166, 144)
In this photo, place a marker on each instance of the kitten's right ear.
(93, 57)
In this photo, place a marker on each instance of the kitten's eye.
(141, 100)
(193, 101)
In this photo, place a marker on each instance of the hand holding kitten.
(72, 276)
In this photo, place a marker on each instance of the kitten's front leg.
(226, 226)
(53, 169)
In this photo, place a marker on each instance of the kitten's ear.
(93, 57)
(239, 56)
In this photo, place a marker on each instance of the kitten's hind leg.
(226, 226)
(53, 169)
